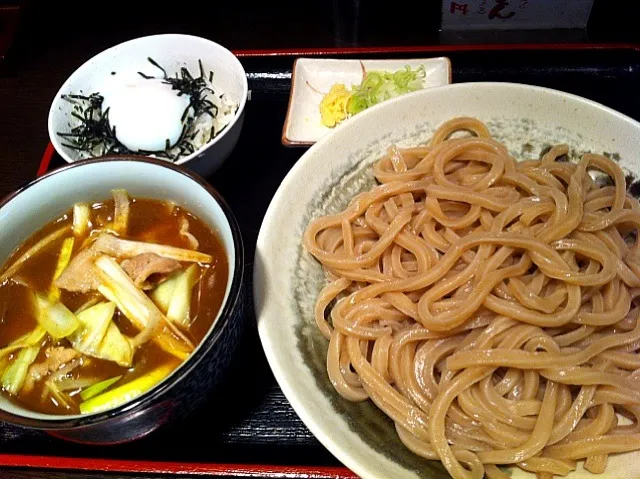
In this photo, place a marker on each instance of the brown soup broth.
(150, 221)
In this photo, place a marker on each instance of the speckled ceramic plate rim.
(595, 126)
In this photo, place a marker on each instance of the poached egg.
(146, 113)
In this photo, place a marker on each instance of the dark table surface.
(56, 37)
(53, 41)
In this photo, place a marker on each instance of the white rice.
(205, 127)
(204, 124)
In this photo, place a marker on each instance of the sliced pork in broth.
(106, 301)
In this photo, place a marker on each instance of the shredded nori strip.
(95, 135)
(94, 131)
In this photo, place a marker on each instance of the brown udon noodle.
(488, 306)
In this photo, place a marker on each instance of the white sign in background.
(514, 14)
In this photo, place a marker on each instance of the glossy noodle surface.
(488, 306)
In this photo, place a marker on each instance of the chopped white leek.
(180, 305)
(55, 317)
(63, 260)
(4, 362)
(122, 306)
(116, 347)
(64, 257)
(137, 306)
(121, 213)
(161, 295)
(94, 323)
(14, 376)
(99, 337)
(81, 219)
(31, 252)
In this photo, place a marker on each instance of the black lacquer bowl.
(31, 207)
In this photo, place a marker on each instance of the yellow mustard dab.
(333, 107)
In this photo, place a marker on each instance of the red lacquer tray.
(260, 435)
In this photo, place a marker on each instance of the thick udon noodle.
(488, 306)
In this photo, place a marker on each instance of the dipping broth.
(104, 302)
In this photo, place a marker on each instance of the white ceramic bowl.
(30, 208)
(172, 51)
(287, 279)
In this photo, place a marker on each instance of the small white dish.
(312, 77)
(171, 51)
(29, 208)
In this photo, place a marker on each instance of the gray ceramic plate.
(287, 280)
